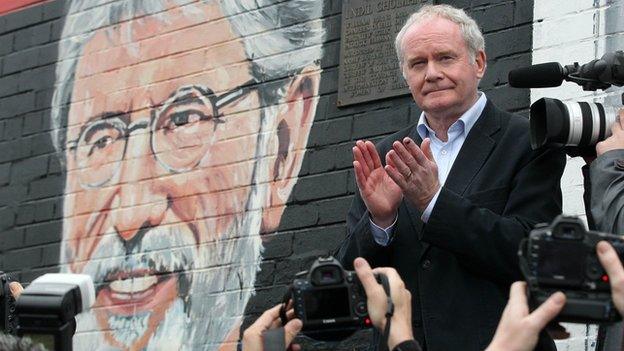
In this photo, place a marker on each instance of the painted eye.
(185, 118)
(101, 140)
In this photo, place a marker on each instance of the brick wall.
(44, 207)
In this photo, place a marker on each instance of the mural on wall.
(182, 126)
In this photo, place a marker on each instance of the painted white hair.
(281, 38)
(468, 27)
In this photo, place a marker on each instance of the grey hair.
(280, 38)
(468, 27)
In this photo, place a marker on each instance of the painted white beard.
(223, 274)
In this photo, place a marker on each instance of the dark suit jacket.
(459, 265)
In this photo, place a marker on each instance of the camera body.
(562, 257)
(328, 298)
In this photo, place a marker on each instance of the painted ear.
(295, 118)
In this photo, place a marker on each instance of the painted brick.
(51, 255)
(20, 60)
(28, 276)
(299, 216)
(499, 16)
(43, 233)
(32, 123)
(333, 210)
(523, 12)
(380, 122)
(13, 128)
(45, 210)
(9, 85)
(28, 169)
(277, 245)
(5, 173)
(508, 42)
(37, 78)
(7, 220)
(6, 44)
(13, 238)
(53, 9)
(24, 18)
(321, 186)
(11, 195)
(15, 259)
(330, 132)
(46, 187)
(25, 214)
(41, 144)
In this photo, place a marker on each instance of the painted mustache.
(130, 271)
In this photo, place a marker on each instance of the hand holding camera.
(270, 319)
(376, 299)
(333, 303)
(613, 266)
(518, 330)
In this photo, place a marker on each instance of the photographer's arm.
(607, 178)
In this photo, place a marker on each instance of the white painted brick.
(546, 9)
(568, 29)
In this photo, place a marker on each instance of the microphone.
(594, 75)
(543, 75)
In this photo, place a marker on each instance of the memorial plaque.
(369, 69)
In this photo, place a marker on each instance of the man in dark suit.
(456, 193)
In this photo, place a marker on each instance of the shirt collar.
(467, 120)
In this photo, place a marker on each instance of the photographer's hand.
(16, 289)
(518, 330)
(401, 322)
(253, 336)
(616, 140)
(612, 265)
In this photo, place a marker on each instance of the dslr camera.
(330, 301)
(562, 257)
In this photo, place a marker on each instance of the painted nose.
(141, 204)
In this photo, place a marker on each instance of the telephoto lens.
(555, 123)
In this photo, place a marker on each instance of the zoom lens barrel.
(556, 123)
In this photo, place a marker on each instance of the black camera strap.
(383, 280)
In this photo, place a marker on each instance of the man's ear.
(294, 120)
(481, 63)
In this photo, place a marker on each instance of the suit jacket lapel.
(475, 150)
(471, 158)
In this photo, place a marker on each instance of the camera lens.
(556, 123)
